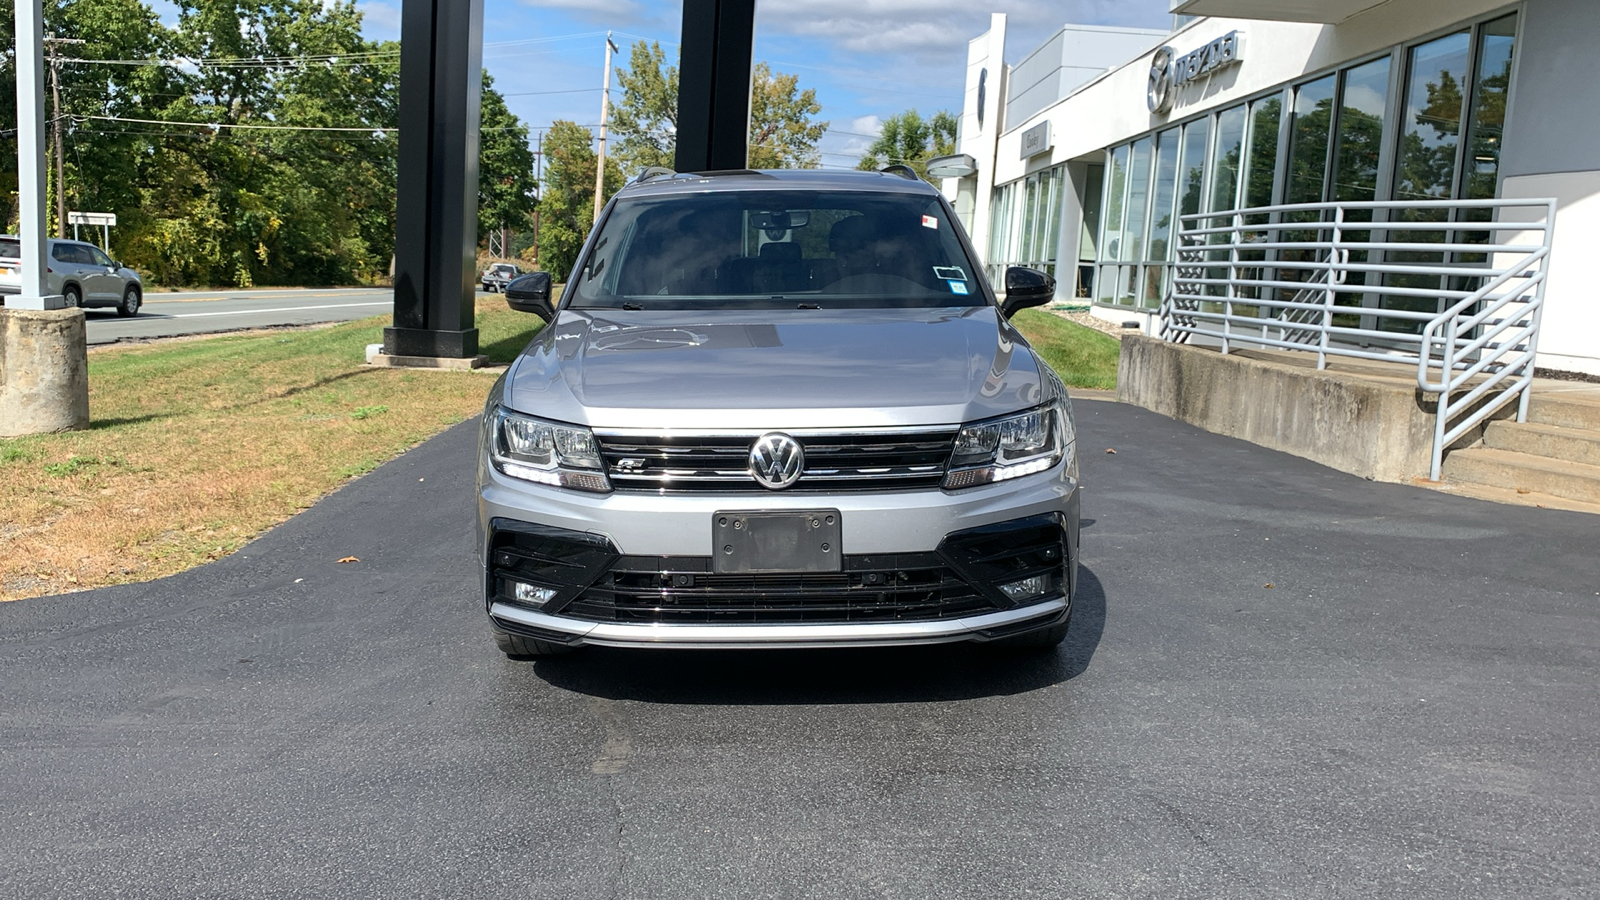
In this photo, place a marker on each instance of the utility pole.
(538, 180)
(61, 155)
(605, 107)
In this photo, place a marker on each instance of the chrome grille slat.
(841, 460)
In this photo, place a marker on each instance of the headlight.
(1018, 445)
(546, 453)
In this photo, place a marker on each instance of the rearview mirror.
(530, 293)
(1024, 288)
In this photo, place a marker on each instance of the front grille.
(683, 590)
(842, 461)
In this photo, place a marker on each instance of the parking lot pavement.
(1281, 681)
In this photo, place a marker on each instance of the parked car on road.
(498, 275)
(777, 409)
(78, 271)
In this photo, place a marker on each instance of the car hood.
(769, 369)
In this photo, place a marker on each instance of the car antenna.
(904, 171)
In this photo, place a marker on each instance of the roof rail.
(904, 171)
(653, 172)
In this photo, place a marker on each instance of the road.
(1281, 681)
(204, 312)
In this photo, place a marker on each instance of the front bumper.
(876, 634)
(598, 595)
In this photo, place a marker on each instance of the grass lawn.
(197, 446)
(1083, 357)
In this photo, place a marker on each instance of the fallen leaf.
(1267, 585)
(1524, 491)
(349, 559)
(1111, 451)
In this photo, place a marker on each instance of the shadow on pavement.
(864, 675)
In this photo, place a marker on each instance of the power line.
(355, 57)
(369, 129)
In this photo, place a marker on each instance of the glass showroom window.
(1116, 186)
(1001, 214)
(1026, 224)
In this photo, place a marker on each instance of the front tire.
(131, 301)
(520, 647)
(73, 296)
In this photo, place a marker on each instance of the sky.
(867, 59)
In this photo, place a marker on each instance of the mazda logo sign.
(776, 460)
(1159, 94)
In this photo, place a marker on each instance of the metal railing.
(1454, 286)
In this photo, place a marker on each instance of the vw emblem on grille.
(776, 460)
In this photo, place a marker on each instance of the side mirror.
(1025, 288)
(530, 293)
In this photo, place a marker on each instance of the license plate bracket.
(754, 542)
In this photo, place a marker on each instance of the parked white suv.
(778, 409)
(78, 271)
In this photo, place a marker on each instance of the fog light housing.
(531, 594)
(1032, 586)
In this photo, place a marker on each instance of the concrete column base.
(44, 371)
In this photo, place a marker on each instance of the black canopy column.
(714, 84)
(436, 216)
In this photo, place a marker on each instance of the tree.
(782, 135)
(645, 120)
(506, 184)
(908, 139)
(566, 203)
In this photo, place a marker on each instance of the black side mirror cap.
(530, 293)
(1024, 288)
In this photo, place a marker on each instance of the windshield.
(777, 249)
(10, 248)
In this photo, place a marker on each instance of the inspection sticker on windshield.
(930, 222)
(957, 287)
(950, 273)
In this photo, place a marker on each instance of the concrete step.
(1553, 441)
(1524, 472)
(1566, 412)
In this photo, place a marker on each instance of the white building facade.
(1357, 100)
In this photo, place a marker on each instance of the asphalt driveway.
(1281, 681)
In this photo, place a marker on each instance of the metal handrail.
(1489, 331)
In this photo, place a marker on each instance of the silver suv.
(777, 409)
(78, 271)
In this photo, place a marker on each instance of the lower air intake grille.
(903, 587)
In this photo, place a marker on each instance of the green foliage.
(505, 165)
(645, 120)
(243, 206)
(908, 139)
(566, 207)
(782, 135)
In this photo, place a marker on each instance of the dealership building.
(1084, 156)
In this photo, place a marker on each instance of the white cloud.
(592, 9)
(866, 125)
(379, 21)
(938, 30)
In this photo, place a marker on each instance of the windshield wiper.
(631, 306)
(808, 306)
